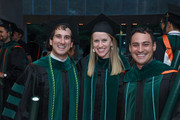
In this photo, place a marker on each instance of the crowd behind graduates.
(102, 85)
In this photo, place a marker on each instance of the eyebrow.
(146, 42)
(139, 43)
(61, 34)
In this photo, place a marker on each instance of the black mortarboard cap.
(103, 24)
(10, 26)
(174, 13)
(20, 31)
(14, 27)
(6, 24)
(68, 21)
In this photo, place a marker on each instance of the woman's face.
(102, 43)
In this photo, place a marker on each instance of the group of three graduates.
(102, 86)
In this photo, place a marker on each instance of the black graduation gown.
(107, 99)
(174, 41)
(35, 50)
(13, 61)
(147, 91)
(57, 86)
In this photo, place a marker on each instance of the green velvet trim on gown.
(173, 39)
(8, 45)
(147, 71)
(150, 78)
(57, 68)
(112, 91)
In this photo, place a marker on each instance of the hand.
(1, 75)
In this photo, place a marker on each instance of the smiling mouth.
(140, 55)
(101, 50)
(61, 47)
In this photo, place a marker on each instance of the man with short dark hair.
(18, 34)
(170, 40)
(52, 78)
(148, 83)
(12, 61)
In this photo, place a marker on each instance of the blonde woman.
(102, 72)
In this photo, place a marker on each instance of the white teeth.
(101, 50)
(140, 55)
(59, 46)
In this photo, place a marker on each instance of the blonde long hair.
(115, 60)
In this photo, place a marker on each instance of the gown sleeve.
(28, 84)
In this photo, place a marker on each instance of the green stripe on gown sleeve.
(9, 113)
(18, 88)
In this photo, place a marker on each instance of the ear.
(20, 35)
(129, 48)
(9, 33)
(154, 46)
(50, 42)
(71, 44)
(169, 24)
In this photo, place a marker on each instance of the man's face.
(4, 35)
(61, 43)
(15, 36)
(162, 24)
(142, 48)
